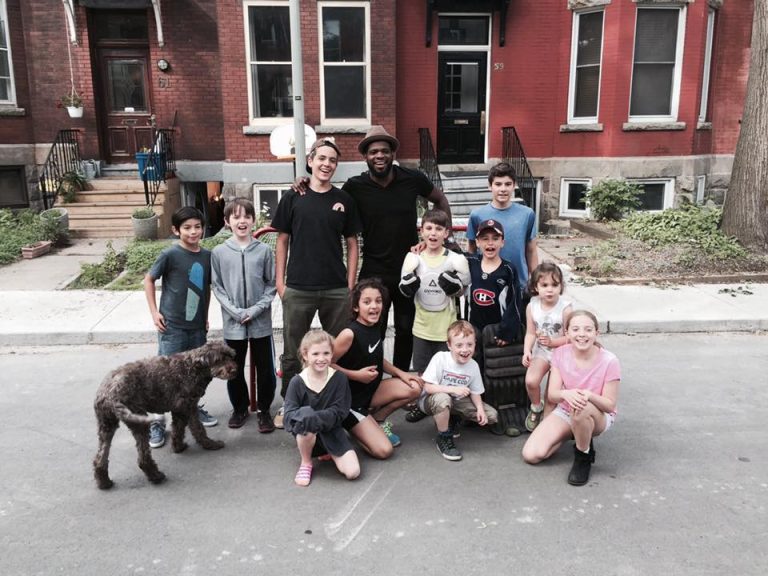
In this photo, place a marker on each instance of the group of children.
(343, 386)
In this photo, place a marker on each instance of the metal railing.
(428, 158)
(513, 154)
(160, 164)
(63, 157)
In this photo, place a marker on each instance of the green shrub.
(143, 213)
(99, 275)
(24, 227)
(696, 226)
(613, 199)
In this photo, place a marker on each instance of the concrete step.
(96, 208)
(106, 196)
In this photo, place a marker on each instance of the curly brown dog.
(157, 385)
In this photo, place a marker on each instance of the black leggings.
(263, 358)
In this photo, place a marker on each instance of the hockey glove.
(409, 285)
(450, 283)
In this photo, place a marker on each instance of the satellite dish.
(282, 143)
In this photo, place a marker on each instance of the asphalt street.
(680, 485)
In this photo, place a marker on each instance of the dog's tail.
(124, 413)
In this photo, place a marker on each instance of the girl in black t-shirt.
(359, 354)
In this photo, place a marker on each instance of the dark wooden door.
(461, 107)
(126, 102)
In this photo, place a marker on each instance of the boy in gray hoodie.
(243, 281)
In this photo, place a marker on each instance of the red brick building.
(644, 89)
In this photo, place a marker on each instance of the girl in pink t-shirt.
(584, 383)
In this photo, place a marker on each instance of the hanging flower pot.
(75, 111)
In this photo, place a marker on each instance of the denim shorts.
(566, 416)
(175, 340)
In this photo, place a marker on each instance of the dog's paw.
(157, 478)
(213, 445)
(178, 448)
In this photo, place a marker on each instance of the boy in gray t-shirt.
(182, 318)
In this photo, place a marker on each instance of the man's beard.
(379, 173)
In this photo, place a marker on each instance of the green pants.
(299, 307)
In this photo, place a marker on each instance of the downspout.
(158, 22)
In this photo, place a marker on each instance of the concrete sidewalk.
(30, 318)
(34, 311)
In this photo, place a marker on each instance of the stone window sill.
(581, 128)
(342, 128)
(12, 111)
(651, 126)
(704, 126)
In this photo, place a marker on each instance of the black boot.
(582, 463)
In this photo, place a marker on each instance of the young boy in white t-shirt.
(453, 387)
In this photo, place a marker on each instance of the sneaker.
(206, 419)
(454, 425)
(278, 422)
(393, 438)
(447, 448)
(237, 420)
(156, 434)
(266, 425)
(534, 416)
(415, 414)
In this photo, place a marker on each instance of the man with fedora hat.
(386, 201)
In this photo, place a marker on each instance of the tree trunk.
(745, 212)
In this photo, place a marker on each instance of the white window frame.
(570, 212)
(8, 54)
(253, 119)
(572, 119)
(678, 73)
(669, 190)
(701, 188)
(706, 74)
(257, 188)
(366, 63)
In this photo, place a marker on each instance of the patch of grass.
(22, 228)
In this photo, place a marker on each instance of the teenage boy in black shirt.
(310, 226)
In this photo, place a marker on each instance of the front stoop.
(104, 210)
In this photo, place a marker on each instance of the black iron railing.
(512, 153)
(160, 164)
(63, 157)
(428, 159)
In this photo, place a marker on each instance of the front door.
(125, 98)
(122, 83)
(461, 107)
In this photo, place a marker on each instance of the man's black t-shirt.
(389, 218)
(317, 222)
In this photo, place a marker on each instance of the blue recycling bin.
(156, 171)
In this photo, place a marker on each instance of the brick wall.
(530, 76)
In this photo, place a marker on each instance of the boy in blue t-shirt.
(518, 221)
(182, 318)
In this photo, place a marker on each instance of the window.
(7, 92)
(266, 198)
(13, 189)
(573, 192)
(586, 54)
(657, 194)
(656, 72)
(701, 188)
(344, 63)
(707, 67)
(268, 44)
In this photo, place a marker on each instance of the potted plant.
(144, 222)
(57, 218)
(72, 182)
(73, 103)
